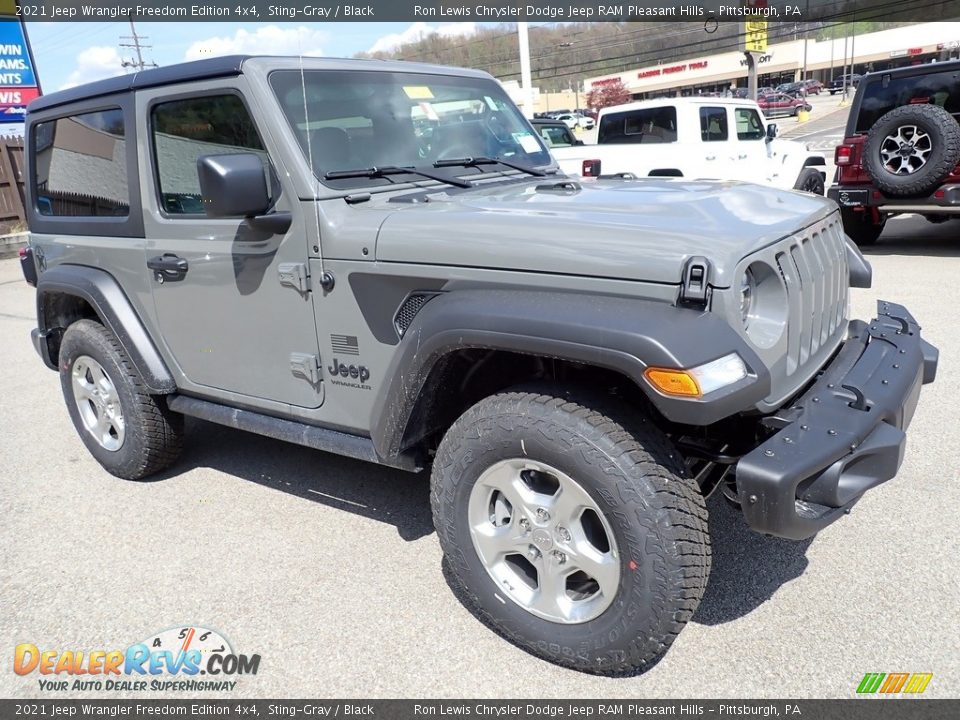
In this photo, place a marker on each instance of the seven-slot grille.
(813, 264)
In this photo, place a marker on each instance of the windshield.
(361, 119)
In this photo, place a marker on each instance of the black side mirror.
(771, 131)
(233, 185)
(578, 142)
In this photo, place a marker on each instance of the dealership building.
(785, 61)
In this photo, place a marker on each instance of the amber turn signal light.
(673, 382)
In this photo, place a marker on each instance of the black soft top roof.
(196, 70)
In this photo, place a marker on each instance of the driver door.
(234, 321)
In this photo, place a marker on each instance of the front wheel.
(571, 529)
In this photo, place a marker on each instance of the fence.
(12, 217)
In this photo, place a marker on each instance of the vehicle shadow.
(747, 568)
(941, 240)
(383, 494)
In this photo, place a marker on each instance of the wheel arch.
(615, 337)
(67, 293)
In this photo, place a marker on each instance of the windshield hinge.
(695, 290)
(306, 366)
(295, 275)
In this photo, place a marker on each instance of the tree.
(612, 92)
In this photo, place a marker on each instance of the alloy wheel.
(98, 402)
(543, 541)
(905, 151)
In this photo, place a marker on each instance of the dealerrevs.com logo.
(186, 658)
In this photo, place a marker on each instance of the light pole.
(806, 35)
(525, 78)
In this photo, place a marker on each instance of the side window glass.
(749, 126)
(80, 165)
(556, 136)
(651, 125)
(185, 130)
(713, 124)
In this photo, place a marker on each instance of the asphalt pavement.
(329, 569)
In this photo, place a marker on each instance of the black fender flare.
(617, 333)
(104, 294)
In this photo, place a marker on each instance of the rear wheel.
(810, 180)
(861, 228)
(571, 529)
(131, 433)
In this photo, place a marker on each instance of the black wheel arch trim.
(104, 294)
(615, 333)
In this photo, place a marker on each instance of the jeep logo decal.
(356, 372)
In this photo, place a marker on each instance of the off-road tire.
(636, 478)
(943, 157)
(810, 180)
(153, 436)
(860, 227)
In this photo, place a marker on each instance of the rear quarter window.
(80, 166)
(885, 93)
(648, 125)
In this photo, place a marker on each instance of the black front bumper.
(845, 435)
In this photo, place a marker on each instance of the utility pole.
(751, 76)
(136, 46)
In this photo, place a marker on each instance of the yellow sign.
(756, 36)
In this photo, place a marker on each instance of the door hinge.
(306, 366)
(295, 275)
(695, 290)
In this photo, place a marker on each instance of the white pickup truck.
(720, 138)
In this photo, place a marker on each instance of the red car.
(812, 87)
(782, 105)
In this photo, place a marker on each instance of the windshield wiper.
(475, 161)
(387, 170)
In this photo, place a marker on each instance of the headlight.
(763, 304)
(747, 284)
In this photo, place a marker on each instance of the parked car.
(839, 83)
(740, 93)
(782, 105)
(576, 366)
(812, 87)
(791, 88)
(573, 120)
(901, 149)
(695, 138)
(555, 133)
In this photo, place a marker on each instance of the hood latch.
(695, 290)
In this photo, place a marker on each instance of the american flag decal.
(345, 344)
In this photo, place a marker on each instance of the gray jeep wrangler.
(381, 260)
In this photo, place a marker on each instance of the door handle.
(711, 157)
(168, 267)
(742, 157)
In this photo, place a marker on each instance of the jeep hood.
(633, 230)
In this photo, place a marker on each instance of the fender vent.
(409, 309)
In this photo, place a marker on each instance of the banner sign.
(18, 83)
(499, 11)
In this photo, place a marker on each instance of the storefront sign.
(18, 84)
(672, 69)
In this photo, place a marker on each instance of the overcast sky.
(69, 54)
